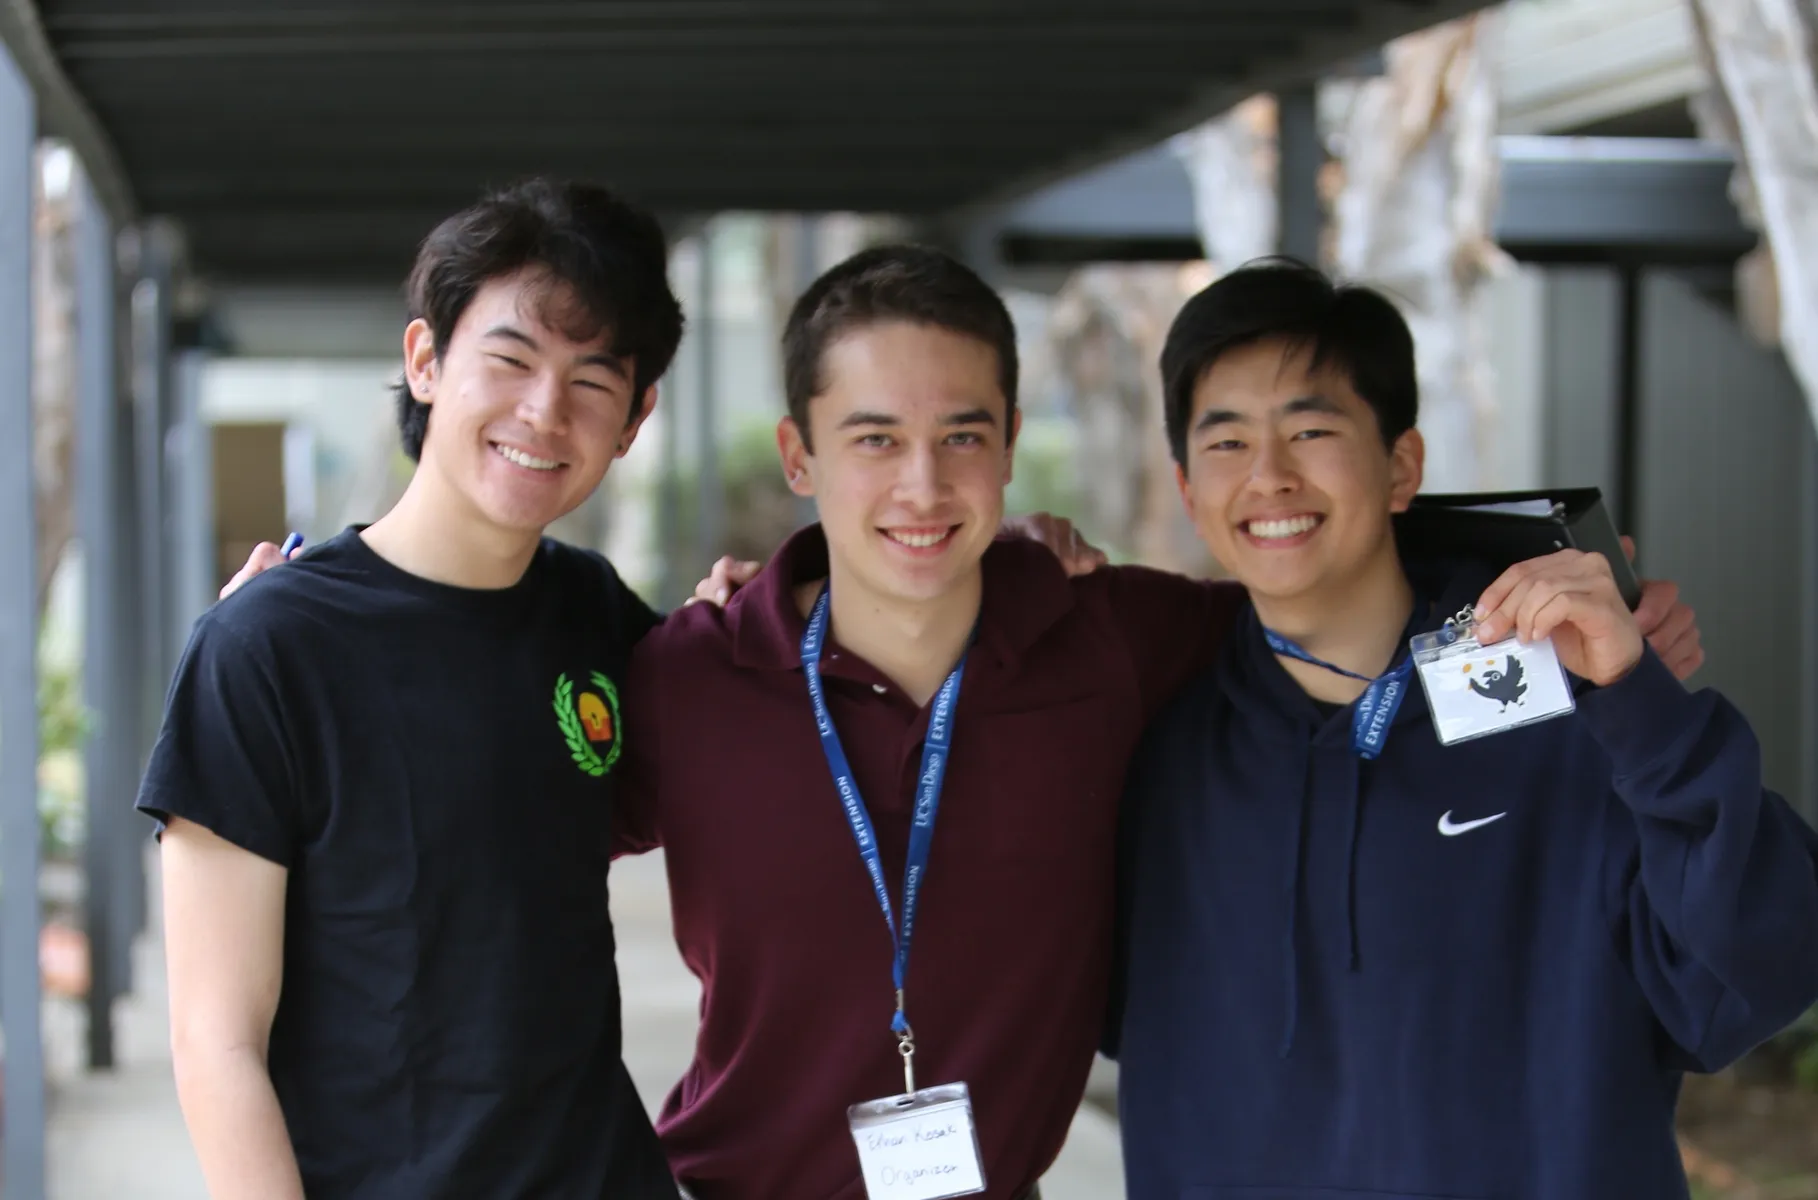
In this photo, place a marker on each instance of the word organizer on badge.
(919, 1145)
(1474, 690)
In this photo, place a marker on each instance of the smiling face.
(524, 419)
(1286, 476)
(910, 457)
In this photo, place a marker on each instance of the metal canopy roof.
(317, 139)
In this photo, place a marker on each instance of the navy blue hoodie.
(1324, 996)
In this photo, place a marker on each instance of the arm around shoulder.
(1722, 906)
(224, 946)
(1173, 625)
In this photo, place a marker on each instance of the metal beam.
(1277, 31)
(192, 91)
(63, 111)
(1563, 192)
(1583, 198)
(22, 1147)
(358, 146)
(1040, 42)
(615, 14)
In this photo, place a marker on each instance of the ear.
(646, 406)
(1016, 427)
(1407, 469)
(420, 360)
(796, 459)
(1186, 490)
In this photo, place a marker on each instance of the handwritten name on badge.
(927, 1154)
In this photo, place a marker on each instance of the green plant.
(63, 727)
(1805, 1058)
(1046, 478)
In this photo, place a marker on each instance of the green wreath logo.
(586, 725)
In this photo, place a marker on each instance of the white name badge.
(920, 1146)
(1475, 690)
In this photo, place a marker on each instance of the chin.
(532, 517)
(1279, 586)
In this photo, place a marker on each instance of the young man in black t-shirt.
(385, 774)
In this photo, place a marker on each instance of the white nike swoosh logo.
(1449, 829)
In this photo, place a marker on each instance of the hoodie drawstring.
(1351, 823)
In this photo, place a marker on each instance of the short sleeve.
(632, 618)
(1173, 626)
(635, 828)
(640, 618)
(221, 759)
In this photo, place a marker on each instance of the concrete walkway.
(120, 1135)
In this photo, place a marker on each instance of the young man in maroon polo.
(901, 377)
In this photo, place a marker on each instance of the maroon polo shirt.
(774, 911)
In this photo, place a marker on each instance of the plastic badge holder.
(1474, 690)
(919, 1146)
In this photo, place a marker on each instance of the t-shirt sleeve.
(1172, 625)
(640, 618)
(632, 617)
(635, 828)
(222, 759)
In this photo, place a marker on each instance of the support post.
(1300, 157)
(151, 332)
(22, 1143)
(103, 523)
(710, 541)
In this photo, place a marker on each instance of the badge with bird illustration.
(1475, 690)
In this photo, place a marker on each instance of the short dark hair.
(1347, 326)
(916, 284)
(609, 255)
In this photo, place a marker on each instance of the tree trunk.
(53, 379)
(1414, 214)
(1763, 103)
(1232, 163)
(1105, 338)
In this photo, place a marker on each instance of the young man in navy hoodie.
(1411, 970)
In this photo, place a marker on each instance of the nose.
(544, 403)
(1272, 469)
(920, 481)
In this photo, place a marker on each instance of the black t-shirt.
(434, 765)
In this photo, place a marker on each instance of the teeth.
(1285, 528)
(918, 540)
(526, 460)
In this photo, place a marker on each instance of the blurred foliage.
(1804, 1035)
(63, 727)
(1046, 478)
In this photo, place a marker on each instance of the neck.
(1357, 627)
(915, 643)
(438, 538)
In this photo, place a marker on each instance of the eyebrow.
(511, 333)
(1294, 407)
(972, 416)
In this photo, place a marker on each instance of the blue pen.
(291, 545)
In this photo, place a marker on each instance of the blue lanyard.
(1376, 708)
(935, 751)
